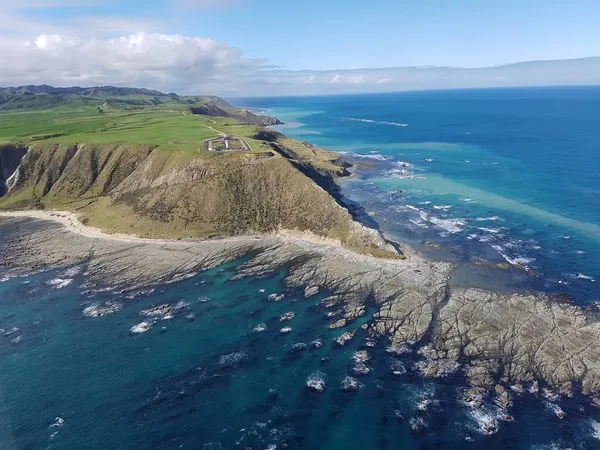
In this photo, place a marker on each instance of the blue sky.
(279, 39)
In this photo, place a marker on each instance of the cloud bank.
(195, 65)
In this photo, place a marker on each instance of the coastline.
(507, 342)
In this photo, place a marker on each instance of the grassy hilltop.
(145, 167)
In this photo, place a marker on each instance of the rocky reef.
(501, 342)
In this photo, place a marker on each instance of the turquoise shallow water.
(212, 381)
(492, 174)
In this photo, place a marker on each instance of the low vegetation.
(148, 171)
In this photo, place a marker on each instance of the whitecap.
(581, 276)
(414, 208)
(442, 207)
(490, 230)
(396, 367)
(260, 328)
(58, 422)
(350, 384)
(485, 219)
(375, 156)
(380, 122)
(425, 203)
(60, 283)
(141, 327)
(486, 420)
(428, 159)
(595, 426)
(232, 359)
(316, 381)
(450, 225)
(520, 261)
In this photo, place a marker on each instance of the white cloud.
(195, 65)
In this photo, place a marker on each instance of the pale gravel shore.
(306, 240)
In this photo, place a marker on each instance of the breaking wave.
(379, 122)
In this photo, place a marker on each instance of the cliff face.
(10, 158)
(150, 192)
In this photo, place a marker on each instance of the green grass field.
(168, 127)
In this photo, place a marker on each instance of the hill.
(150, 171)
(44, 97)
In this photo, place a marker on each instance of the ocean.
(476, 177)
(483, 176)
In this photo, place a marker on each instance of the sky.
(289, 47)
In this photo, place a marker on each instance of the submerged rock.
(287, 316)
(96, 310)
(316, 344)
(350, 384)
(276, 297)
(296, 348)
(316, 381)
(344, 338)
(360, 356)
(360, 368)
(260, 328)
(141, 327)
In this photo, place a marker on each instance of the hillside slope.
(154, 193)
(45, 97)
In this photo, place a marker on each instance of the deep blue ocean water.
(489, 174)
(513, 174)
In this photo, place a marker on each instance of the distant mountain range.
(46, 97)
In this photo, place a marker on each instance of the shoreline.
(305, 239)
(493, 338)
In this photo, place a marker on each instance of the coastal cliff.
(140, 189)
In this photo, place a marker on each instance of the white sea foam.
(557, 410)
(490, 230)
(418, 223)
(402, 169)
(232, 359)
(428, 159)
(486, 420)
(486, 219)
(316, 381)
(380, 122)
(396, 367)
(260, 328)
(442, 207)
(59, 283)
(425, 203)
(375, 156)
(581, 276)
(414, 208)
(141, 327)
(450, 225)
(595, 426)
(516, 261)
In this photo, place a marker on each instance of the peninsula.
(199, 183)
